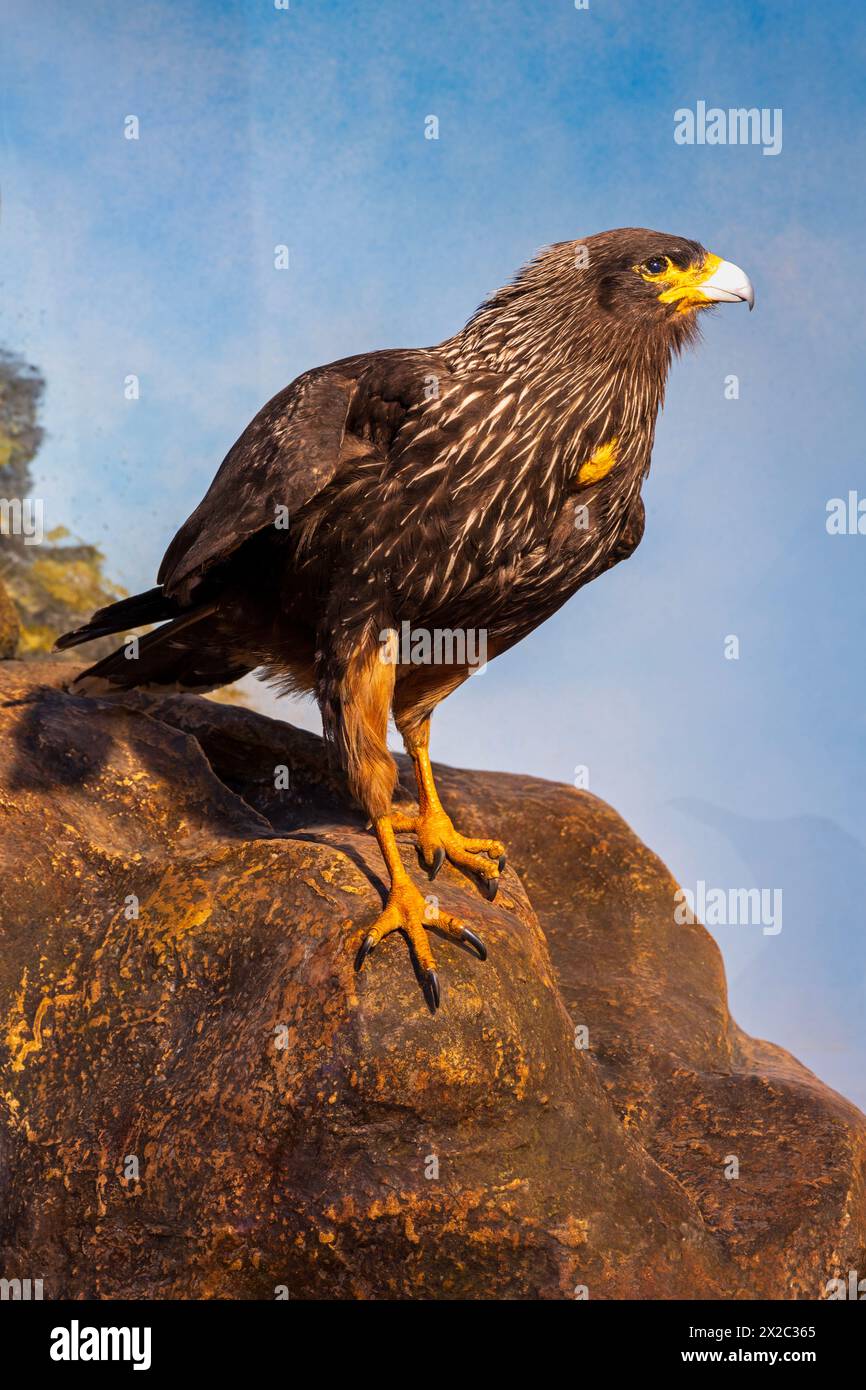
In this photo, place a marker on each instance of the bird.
(470, 487)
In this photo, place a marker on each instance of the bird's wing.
(287, 454)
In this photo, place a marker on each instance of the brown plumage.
(474, 486)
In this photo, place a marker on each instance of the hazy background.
(260, 126)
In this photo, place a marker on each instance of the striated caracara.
(471, 487)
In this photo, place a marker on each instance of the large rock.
(178, 1002)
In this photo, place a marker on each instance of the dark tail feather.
(188, 654)
(152, 607)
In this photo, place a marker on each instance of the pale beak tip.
(729, 283)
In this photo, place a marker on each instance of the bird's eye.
(656, 264)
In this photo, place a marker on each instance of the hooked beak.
(728, 284)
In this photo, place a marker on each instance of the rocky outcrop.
(200, 1098)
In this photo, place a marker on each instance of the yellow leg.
(437, 838)
(407, 911)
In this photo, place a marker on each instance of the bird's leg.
(437, 838)
(408, 912)
(361, 727)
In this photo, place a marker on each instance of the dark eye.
(656, 264)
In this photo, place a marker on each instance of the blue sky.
(306, 127)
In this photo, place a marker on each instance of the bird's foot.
(438, 841)
(409, 912)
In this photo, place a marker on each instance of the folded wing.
(288, 453)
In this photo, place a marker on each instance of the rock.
(202, 1099)
(10, 628)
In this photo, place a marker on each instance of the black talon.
(475, 942)
(490, 887)
(430, 986)
(501, 862)
(438, 861)
(364, 950)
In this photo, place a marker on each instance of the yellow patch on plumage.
(683, 287)
(600, 464)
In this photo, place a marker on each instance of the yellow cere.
(683, 287)
(600, 464)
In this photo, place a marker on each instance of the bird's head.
(655, 277)
(619, 297)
